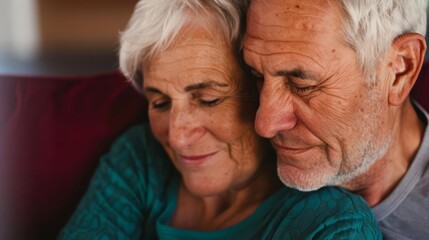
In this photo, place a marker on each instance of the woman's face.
(201, 109)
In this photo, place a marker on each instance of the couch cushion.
(52, 131)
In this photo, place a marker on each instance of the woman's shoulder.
(341, 199)
(137, 149)
(333, 201)
(137, 136)
(138, 142)
(326, 197)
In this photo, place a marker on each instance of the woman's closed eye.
(207, 100)
(210, 102)
(160, 104)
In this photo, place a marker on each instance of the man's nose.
(185, 128)
(276, 111)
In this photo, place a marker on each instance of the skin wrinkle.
(298, 14)
(230, 93)
(277, 34)
(330, 108)
(326, 103)
(221, 72)
(291, 27)
(185, 60)
(298, 73)
(204, 22)
(368, 149)
(241, 145)
(294, 8)
(219, 190)
(266, 52)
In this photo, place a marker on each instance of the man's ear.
(407, 59)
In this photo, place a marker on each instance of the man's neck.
(386, 173)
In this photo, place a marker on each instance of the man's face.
(325, 122)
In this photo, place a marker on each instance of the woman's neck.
(225, 209)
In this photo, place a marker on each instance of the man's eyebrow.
(203, 85)
(297, 73)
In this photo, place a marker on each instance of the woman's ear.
(407, 59)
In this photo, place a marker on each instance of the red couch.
(52, 132)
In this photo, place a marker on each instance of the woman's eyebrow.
(190, 88)
(203, 85)
(151, 90)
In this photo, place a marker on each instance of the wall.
(82, 25)
(63, 37)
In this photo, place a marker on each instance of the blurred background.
(58, 37)
(55, 37)
(61, 36)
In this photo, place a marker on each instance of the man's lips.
(290, 150)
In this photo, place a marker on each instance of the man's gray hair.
(372, 25)
(155, 24)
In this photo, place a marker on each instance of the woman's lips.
(195, 160)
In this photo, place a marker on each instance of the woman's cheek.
(159, 125)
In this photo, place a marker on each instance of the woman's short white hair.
(372, 25)
(155, 24)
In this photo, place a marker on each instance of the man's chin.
(303, 180)
(300, 186)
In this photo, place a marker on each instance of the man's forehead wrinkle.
(280, 53)
(277, 42)
(301, 55)
(271, 48)
(302, 23)
(283, 33)
(310, 16)
(319, 6)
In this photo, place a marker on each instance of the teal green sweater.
(133, 194)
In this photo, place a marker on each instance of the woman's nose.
(185, 129)
(276, 111)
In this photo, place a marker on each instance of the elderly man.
(335, 79)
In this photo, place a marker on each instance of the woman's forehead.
(196, 56)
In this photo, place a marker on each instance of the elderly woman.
(199, 171)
